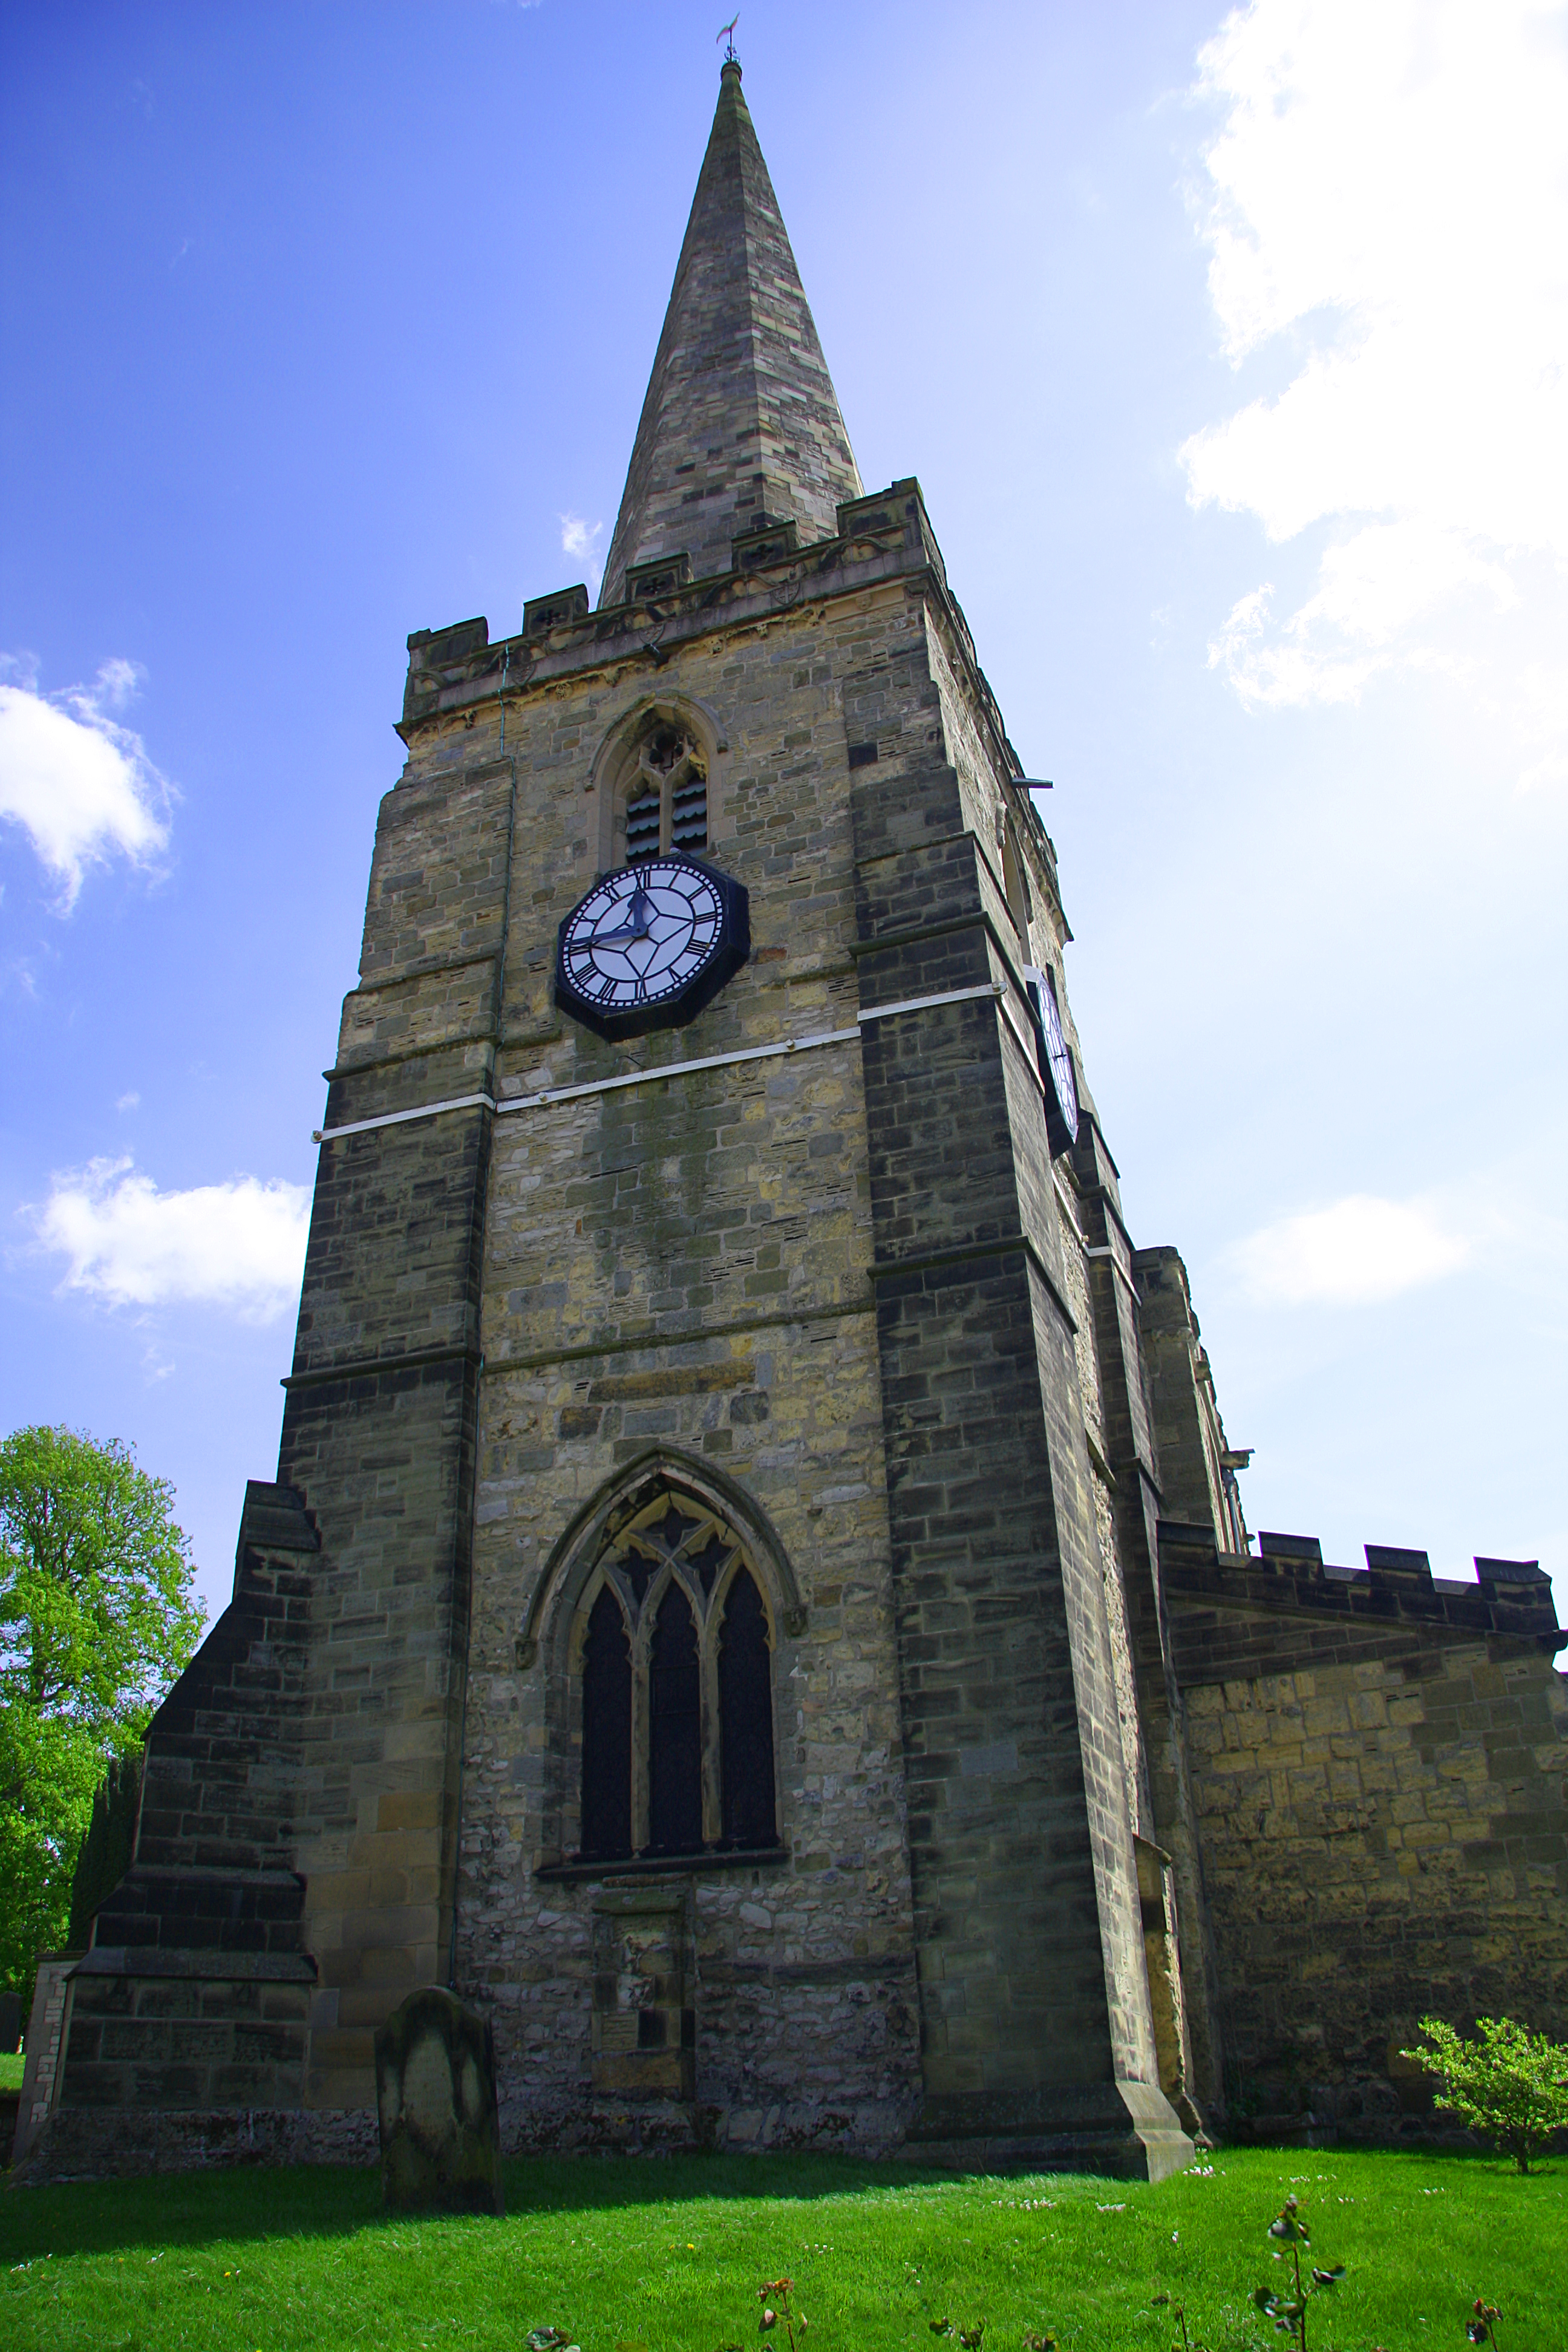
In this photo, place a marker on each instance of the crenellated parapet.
(1379, 1760)
(1284, 1606)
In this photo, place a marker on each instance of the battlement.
(1226, 1607)
(457, 674)
(452, 669)
(1389, 1745)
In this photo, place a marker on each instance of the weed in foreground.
(778, 2291)
(1288, 2311)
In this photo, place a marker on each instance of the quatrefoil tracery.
(668, 1546)
(672, 757)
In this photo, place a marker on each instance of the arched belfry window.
(666, 792)
(676, 1660)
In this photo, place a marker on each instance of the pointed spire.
(741, 422)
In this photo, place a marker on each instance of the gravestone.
(435, 2089)
(10, 2020)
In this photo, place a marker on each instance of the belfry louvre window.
(667, 799)
(676, 1683)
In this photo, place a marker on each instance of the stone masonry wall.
(1035, 1998)
(1382, 1786)
(681, 1269)
(379, 1425)
(677, 1272)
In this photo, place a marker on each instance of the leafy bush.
(97, 1617)
(1508, 2082)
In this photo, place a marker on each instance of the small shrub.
(1508, 2082)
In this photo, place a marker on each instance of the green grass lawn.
(669, 2256)
(10, 2064)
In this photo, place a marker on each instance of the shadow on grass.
(251, 2204)
(248, 2204)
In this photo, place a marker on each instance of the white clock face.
(1061, 1058)
(643, 936)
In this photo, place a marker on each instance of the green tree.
(1508, 2082)
(96, 1621)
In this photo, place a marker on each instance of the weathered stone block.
(435, 2103)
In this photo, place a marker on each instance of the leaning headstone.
(436, 2096)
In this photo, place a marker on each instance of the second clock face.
(1059, 1057)
(649, 945)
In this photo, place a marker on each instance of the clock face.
(1061, 1061)
(650, 945)
(1061, 1084)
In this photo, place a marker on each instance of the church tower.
(697, 1615)
(772, 1711)
(754, 1594)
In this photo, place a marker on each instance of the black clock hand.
(641, 911)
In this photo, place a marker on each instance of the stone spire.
(740, 422)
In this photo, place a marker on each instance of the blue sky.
(1232, 355)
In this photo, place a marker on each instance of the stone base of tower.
(1143, 2141)
(1128, 2128)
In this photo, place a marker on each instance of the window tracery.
(677, 1691)
(667, 795)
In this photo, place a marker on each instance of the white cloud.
(577, 538)
(240, 1244)
(1356, 1252)
(1389, 190)
(128, 1102)
(80, 784)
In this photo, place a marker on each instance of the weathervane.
(727, 33)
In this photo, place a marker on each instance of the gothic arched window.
(677, 1666)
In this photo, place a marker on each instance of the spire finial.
(726, 34)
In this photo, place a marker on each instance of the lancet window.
(667, 795)
(677, 1690)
